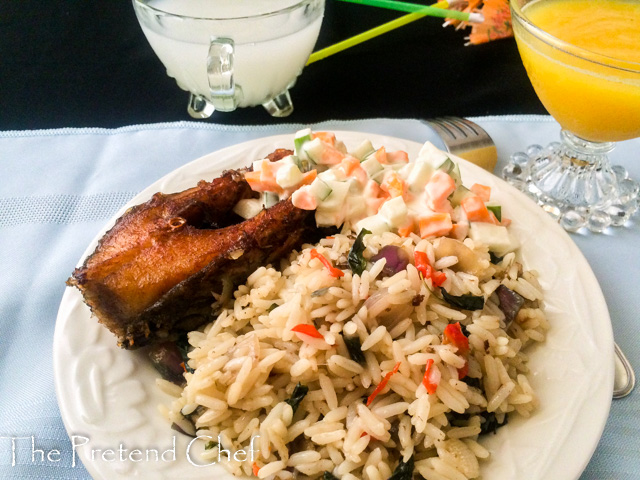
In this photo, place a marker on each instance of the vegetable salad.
(380, 191)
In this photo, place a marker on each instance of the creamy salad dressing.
(379, 191)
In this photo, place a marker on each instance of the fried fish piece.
(152, 275)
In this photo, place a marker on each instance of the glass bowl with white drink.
(232, 53)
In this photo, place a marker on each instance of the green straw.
(384, 28)
(363, 37)
(416, 8)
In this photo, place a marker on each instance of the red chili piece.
(424, 267)
(382, 384)
(333, 271)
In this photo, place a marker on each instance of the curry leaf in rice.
(184, 347)
(355, 349)
(357, 262)
(465, 302)
(404, 471)
(491, 424)
(299, 392)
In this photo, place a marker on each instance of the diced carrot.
(438, 189)
(372, 196)
(348, 166)
(381, 155)
(258, 185)
(476, 211)
(399, 156)
(459, 231)
(482, 191)
(435, 225)
(255, 469)
(394, 185)
(304, 200)
(325, 137)
(308, 177)
(331, 156)
(253, 177)
(407, 230)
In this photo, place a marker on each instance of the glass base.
(575, 183)
(200, 107)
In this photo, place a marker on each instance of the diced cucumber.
(419, 176)
(431, 154)
(363, 150)
(329, 218)
(355, 207)
(257, 165)
(461, 192)
(288, 176)
(341, 147)
(248, 207)
(314, 149)
(496, 237)
(269, 199)
(450, 167)
(375, 224)
(335, 200)
(319, 189)
(328, 176)
(301, 137)
(497, 211)
(372, 166)
(395, 212)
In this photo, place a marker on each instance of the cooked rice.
(248, 362)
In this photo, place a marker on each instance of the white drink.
(270, 50)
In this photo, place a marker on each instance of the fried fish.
(153, 274)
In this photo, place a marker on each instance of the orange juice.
(592, 91)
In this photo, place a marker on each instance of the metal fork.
(468, 140)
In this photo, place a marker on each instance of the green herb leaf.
(355, 349)
(490, 424)
(299, 392)
(357, 262)
(497, 211)
(185, 347)
(493, 258)
(465, 302)
(329, 476)
(211, 445)
(404, 471)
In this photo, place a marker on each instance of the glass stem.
(577, 173)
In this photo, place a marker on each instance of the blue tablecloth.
(59, 187)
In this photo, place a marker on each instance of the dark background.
(87, 64)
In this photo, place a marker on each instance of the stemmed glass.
(589, 81)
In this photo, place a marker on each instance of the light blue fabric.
(59, 187)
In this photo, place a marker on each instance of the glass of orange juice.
(583, 60)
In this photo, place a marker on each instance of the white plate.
(108, 398)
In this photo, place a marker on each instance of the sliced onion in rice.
(397, 259)
(385, 313)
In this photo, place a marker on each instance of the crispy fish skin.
(153, 274)
(167, 287)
